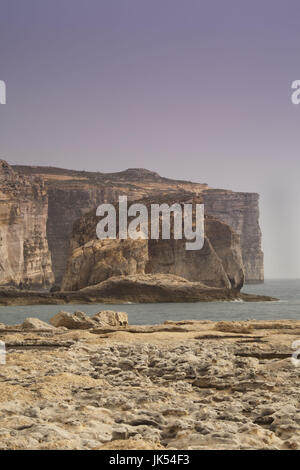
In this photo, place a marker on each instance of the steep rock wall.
(91, 261)
(24, 255)
(218, 264)
(66, 205)
(73, 193)
(236, 209)
(241, 212)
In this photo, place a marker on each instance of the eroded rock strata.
(91, 261)
(180, 385)
(24, 255)
(73, 193)
(241, 212)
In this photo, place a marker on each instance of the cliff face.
(99, 260)
(91, 261)
(218, 264)
(24, 255)
(73, 193)
(66, 205)
(241, 212)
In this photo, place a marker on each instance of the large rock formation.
(99, 260)
(73, 193)
(151, 288)
(24, 256)
(241, 212)
(218, 264)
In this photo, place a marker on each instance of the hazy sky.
(193, 89)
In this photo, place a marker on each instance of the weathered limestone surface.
(24, 254)
(180, 385)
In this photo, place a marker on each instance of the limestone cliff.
(241, 212)
(99, 260)
(91, 261)
(73, 193)
(219, 263)
(24, 256)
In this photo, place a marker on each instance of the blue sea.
(286, 290)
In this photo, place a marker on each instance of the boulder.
(233, 327)
(72, 321)
(35, 324)
(111, 318)
(81, 321)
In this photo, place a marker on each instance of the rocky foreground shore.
(99, 383)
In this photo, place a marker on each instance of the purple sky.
(192, 89)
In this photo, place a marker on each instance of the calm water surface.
(287, 290)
